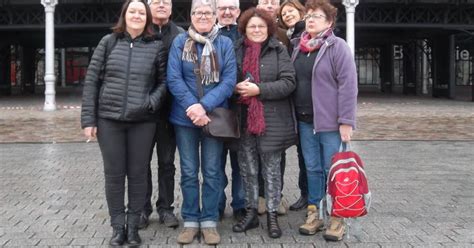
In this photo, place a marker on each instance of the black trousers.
(125, 152)
(302, 178)
(165, 140)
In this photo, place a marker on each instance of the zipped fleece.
(133, 87)
(334, 85)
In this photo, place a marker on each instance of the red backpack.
(348, 194)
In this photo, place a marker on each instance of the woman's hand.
(195, 112)
(90, 133)
(346, 132)
(247, 89)
(202, 121)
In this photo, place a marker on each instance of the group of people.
(288, 78)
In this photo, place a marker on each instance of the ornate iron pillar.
(350, 29)
(49, 78)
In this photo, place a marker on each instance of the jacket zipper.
(124, 106)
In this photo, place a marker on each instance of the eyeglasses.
(257, 26)
(314, 16)
(164, 2)
(201, 14)
(224, 8)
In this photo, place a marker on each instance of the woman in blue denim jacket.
(213, 55)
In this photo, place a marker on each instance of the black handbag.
(224, 123)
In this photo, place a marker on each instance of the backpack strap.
(111, 43)
(109, 46)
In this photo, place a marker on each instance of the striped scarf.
(308, 44)
(209, 67)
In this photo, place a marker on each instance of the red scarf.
(308, 44)
(251, 62)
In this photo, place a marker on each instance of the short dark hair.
(292, 3)
(325, 6)
(121, 26)
(254, 12)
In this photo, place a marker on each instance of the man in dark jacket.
(227, 13)
(166, 31)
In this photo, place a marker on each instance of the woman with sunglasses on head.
(123, 90)
(326, 102)
(266, 80)
(200, 53)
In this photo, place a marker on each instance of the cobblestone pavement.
(379, 118)
(418, 153)
(52, 195)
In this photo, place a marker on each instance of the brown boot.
(313, 224)
(283, 208)
(335, 229)
(187, 235)
(211, 236)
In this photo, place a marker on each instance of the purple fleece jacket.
(333, 85)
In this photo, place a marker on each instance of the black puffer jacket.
(133, 85)
(277, 77)
(166, 34)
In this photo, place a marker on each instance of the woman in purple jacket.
(325, 102)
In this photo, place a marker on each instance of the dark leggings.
(125, 148)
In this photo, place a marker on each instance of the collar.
(223, 26)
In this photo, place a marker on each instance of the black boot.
(249, 221)
(132, 236)
(300, 204)
(272, 225)
(118, 236)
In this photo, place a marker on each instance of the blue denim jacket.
(181, 80)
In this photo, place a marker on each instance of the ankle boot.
(272, 225)
(118, 236)
(133, 238)
(249, 221)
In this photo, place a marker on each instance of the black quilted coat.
(133, 86)
(277, 77)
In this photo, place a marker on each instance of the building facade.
(419, 47)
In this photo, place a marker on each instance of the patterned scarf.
(209, 67)
(308, 44)
(251, 62)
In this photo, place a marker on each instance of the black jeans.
(125, 151)
(165, 140)
(302, 178)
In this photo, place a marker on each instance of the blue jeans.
(238, 193)
(188, 141)
(318, 149)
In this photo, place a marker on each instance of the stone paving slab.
(379, 118)
(52, 196)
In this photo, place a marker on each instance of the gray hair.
(150, 1)
(236, 3)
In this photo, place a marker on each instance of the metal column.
(49, 78)
(350, 23)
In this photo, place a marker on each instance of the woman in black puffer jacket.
(123, 91)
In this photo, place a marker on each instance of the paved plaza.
(418, 152)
